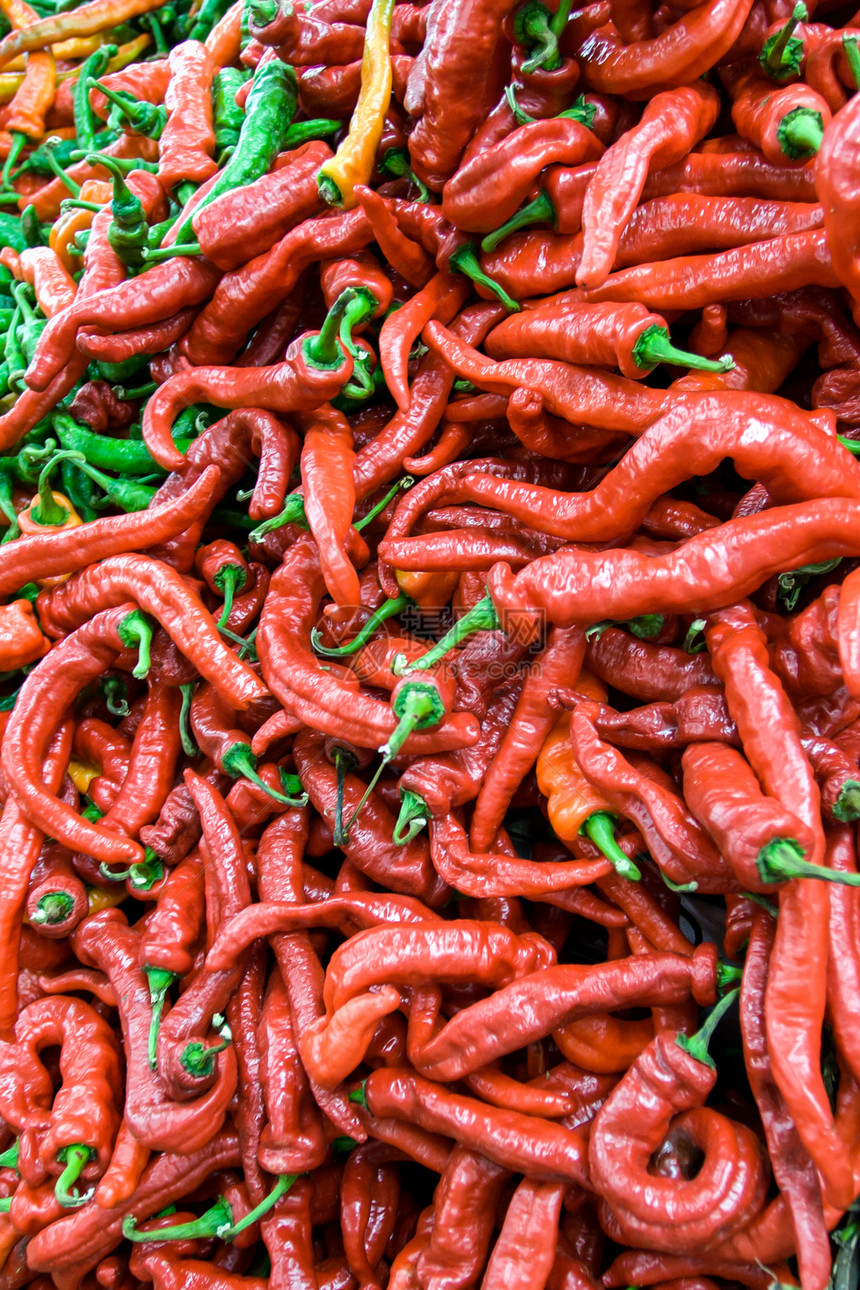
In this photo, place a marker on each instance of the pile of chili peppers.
(430, 762)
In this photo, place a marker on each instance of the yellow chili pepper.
(100, 898)
(129, 53)
(353, 162)
(82, 775)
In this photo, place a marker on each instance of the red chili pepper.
(793, 1169)
(677, 56)
(187, 142)
(787, 123)
(329, 493)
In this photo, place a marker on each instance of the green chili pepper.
(269, 112)
(227, 116)
(32, 325)
(131, 113)
(81, 492)
(127, 494)
(85, 119)
(209, 13)
(128, 229)
(13, 354)
(12, 231)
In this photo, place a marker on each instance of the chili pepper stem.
(800, 133)
(395, 164)
(48, 510)
(293, 513)
(19, 142)
(852, 54)
(482, 617)
(600, 829)
(654, 346)
(847, 804)
(728, 977)
(538, 211)
(76, 1158)
(160, 981)
(783, 859)
(697, 1045)
(154, 254)
(145, 874)
(216, 1218)
(323, 350)
(199, 1059)
(281, 1187)
(416, 709)
(413, 817)
(9, 1158)
(401, 485)
(135, 631)
(780, 57)
(189, 747)
(232, 576)
(240, 762)
(388, 609)
(465, 260)
(344, 762)
(52, 908)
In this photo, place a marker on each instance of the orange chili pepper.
(21, 639)
(428, 590)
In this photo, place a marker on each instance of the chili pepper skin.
(682, 52)
(245, 223)
(761, 112)
(172, 929)
(836, 192)
(188, 140)
(486, 1030)
(685, 577)
(158, 588)
(521, 1143)
(739, 654)
(792, 1166)
(83, 656)
(668, 1212)
(599, 335)
(710, 417)
(672, 122)
(105, 941)
(559, 663)
(450, 74)
(691, 282)
(21, 844)
(75, 1244)
(489, 188)
(149, 298)
(248, 294)
(279, 875)
(725, 797)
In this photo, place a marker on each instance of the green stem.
(52, 908)
(189, 747)
(9, 1158)
(402, 484)
(47, 511)
(218, 1218)
(482, 617)
(199, 1059)
(852, 54)
(388, 609)
(144, 874)
(847, 805)
(654, 346)
(281, 1187)
(800, 133)
(729, 977)
(76, 1158)
(19, 142)
(293, 513)
(160, 981)
(135, 632)
(227, 580)
(324, 350)
(533, 29)
(48, 149)
(417, 707)
(782, 859)
(697, 1045)
(538, 211)
(241, 763)
(414, 815)
(782, 54)
(329, 191)
(358, 311)
(600, 829)
(465, 260)
(344, 762)
(155, 254)
(395, 164)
